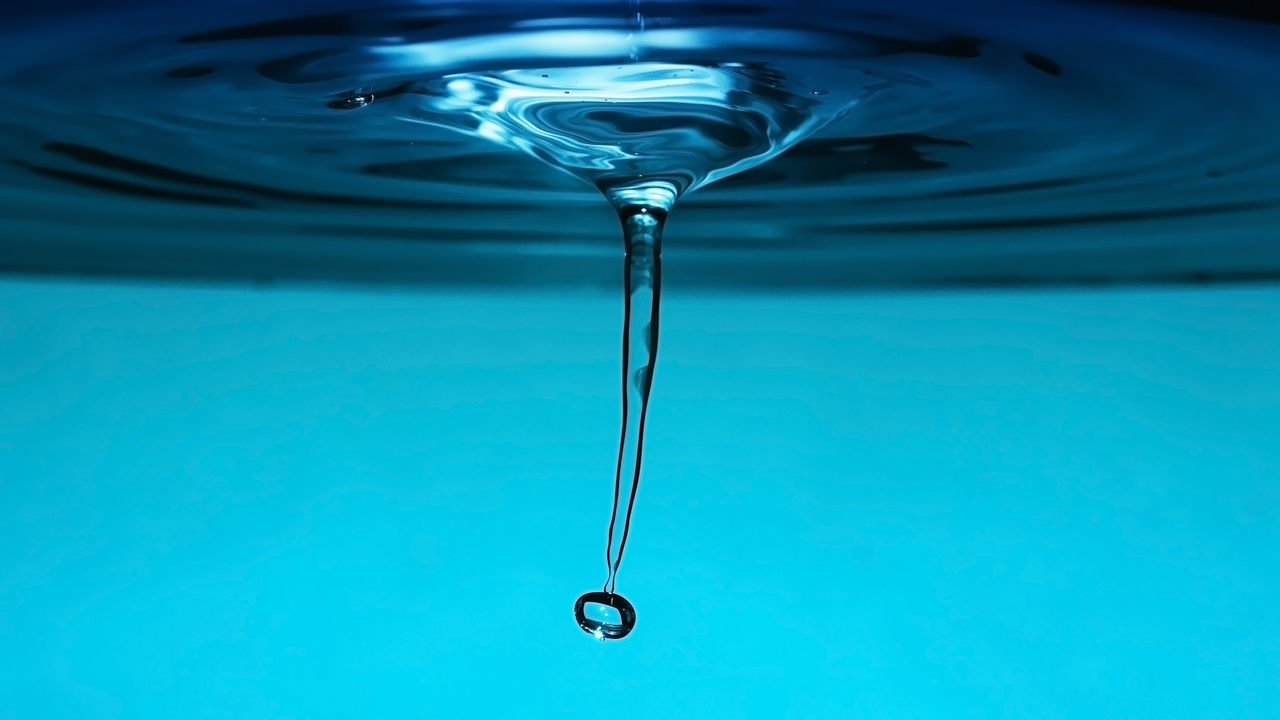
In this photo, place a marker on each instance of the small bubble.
(352, 102)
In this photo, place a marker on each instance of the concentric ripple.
(994, 142)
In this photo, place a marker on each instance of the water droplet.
(352, 102)
(604, 615)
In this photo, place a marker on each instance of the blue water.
(322, 504)
(994, 143)
(966, 403)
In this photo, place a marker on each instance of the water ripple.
(994, 143)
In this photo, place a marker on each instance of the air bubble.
(604, 615)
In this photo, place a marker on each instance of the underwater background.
(963, 409)
(285, 503)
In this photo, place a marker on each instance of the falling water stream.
(644, 134)
(642, 287)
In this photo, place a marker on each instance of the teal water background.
(309, 503)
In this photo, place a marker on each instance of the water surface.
(998, 143)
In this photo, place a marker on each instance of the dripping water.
(605, 614)
(644, 133)
(642, 290)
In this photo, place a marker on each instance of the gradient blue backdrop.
(234, 503)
